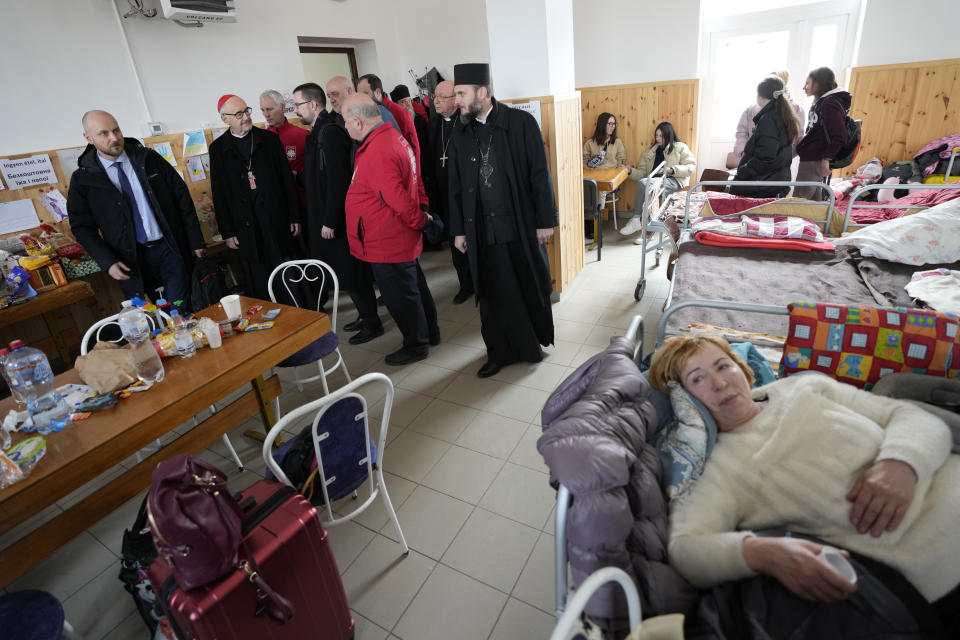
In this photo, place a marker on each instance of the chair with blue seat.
(95, 333)
(345, 456)
(299, 281)
(34, 615)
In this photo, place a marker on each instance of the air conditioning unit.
(199, 10)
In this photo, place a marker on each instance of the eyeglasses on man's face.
(297, 104)
(239, 114)
(437, 96)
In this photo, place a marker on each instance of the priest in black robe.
(502, 213)
(435, 179)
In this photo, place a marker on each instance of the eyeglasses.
(437, 96)
(240, 114)
(297, 104)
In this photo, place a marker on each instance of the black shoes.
(356, 325)
(435, 338)
(462, 296)
(406, 355)
(489, 369)
(365, 335)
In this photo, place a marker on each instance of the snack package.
(254, 310)
(270, 315)
(36, 246)
(27, 453)
(9, 471)
(258, 326)
(32, 263)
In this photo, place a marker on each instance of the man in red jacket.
(384, 225)
(371, 85)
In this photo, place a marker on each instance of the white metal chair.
(567, 626)
(314, 274)
(94, 332)
(337, 401)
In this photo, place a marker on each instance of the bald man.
(436, 160)
(133, 214)
(385, 223)
(253, 195)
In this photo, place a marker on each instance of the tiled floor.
(470, 490)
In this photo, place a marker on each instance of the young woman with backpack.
(769, 150)
(826, 131)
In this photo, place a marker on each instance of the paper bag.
(107, 367)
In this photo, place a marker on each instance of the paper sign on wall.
(166, 151)
(54, 202)
(69, 159)
(18, 215)
(289, 109)
(28, 172)
(194, 143)
(195, 169)
(205, 159)
(532, 107)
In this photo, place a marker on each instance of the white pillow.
(929, 237)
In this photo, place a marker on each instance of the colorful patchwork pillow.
(860, 344)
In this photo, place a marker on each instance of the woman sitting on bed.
(680, 165)
(866, 473)
(769, 151)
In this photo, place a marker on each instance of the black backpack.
(207, 284)
(845, 155)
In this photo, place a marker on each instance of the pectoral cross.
(443, 159)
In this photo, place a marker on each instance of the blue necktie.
(131, 202)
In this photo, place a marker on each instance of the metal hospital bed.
(912, 186)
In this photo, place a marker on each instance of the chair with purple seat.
(299, 282)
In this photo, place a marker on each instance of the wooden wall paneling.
(903, 107)
(639, 108)
(560, 128)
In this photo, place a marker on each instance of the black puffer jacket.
(595, 441)
(767, 155)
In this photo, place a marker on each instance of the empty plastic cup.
(231, 306)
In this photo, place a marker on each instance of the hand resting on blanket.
(816, 456)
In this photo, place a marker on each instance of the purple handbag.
(196, 523)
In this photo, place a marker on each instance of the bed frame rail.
(912, 186)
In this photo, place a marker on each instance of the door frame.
(351, 56)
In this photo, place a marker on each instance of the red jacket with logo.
(383, 206)
(409, 131)
(294, 141)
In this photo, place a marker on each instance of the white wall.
(628, 41)
(518, 46)
(74, 59)
(560, 47)
(61, 59)
(894, 32)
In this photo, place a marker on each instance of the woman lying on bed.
(813, 455)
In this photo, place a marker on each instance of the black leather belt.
(152, 243)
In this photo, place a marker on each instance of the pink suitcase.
(291, 551)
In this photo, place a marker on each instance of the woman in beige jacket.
(680, 165)
(604, 150)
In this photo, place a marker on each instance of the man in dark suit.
(253, 195)
(133, 213)
(327, 170)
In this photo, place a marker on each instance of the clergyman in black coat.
(253, 195)
(136, 219)
(435, 177)
(502, 212)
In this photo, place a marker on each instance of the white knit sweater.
(792, 465)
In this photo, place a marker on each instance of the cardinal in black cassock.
(502, 212)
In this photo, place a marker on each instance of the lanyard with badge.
(252, 178)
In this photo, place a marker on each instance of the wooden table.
(86, 449)
(606, 179)
(42, 304)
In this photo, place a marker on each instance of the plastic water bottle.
(182, 336)
(14, 391)
(136, 329)
(29, 371)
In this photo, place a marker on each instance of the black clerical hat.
(399, 93)
(472, 73)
